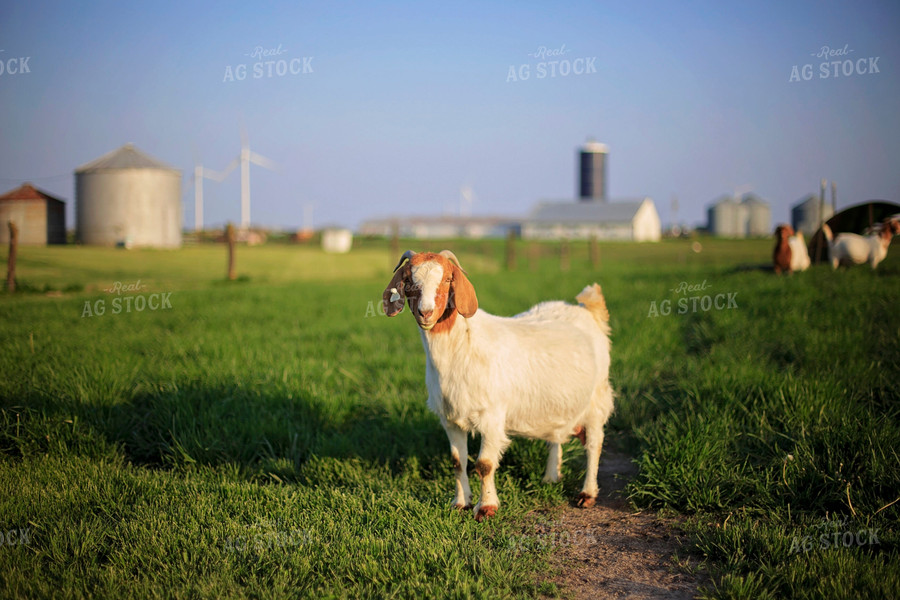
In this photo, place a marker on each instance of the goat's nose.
(425, 313)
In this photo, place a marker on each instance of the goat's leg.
(493, 443)
(594, 444)
(459, 454)
(554, 463)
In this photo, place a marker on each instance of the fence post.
(511, 250)
(533, 253)
(821, 239)
(11, 261)
(594, 251)
(229, 239)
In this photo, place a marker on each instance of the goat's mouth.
(426, 325)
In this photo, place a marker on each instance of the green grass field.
(269, 437)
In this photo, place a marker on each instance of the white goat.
(542, 374)
(852, 248)
(799, 255)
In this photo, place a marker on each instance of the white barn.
(632, 220)
(444, 227)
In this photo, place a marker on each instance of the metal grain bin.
(759, 216)
(128, 198)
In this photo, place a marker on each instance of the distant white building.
(749, 217)
(441, 227)
(634, 220)
(336, 240)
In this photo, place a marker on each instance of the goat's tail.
(827, 231)
(591, 297)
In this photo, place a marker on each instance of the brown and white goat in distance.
(790, 252)
(543, 374)
(851, 248)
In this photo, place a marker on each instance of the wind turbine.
(199, 173)
(308, 216)
(244, 159)
(466, 196)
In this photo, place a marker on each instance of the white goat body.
(858, 249)
(542, 374)
(534, 373)
(799, 254)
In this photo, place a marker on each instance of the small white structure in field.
(337, 241)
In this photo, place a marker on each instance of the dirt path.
(608, 551)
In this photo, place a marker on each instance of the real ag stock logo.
(836, 533)
(842, 65)
(127, 303)
(691, 301)
(267, 534)
(552, 64)
(268, 65)
(15, 537)
(15, 65)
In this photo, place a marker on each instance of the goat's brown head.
(434, 285)
(886, 230)
(783, 232)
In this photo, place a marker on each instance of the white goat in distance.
(850, 248)
(543, 374)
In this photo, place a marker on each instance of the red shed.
(41, 218)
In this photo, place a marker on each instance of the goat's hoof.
(461, 507)
(551, 479)
(585, 501)
(484, 512)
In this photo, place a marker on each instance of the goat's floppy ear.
(465, 300)
(893, 225)
(393, 296)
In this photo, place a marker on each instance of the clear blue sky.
(407, 103)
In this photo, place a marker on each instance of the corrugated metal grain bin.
(128, 198)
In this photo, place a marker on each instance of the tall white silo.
(127, 197)
(759, 216)
(726, 218)
(805, 215)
